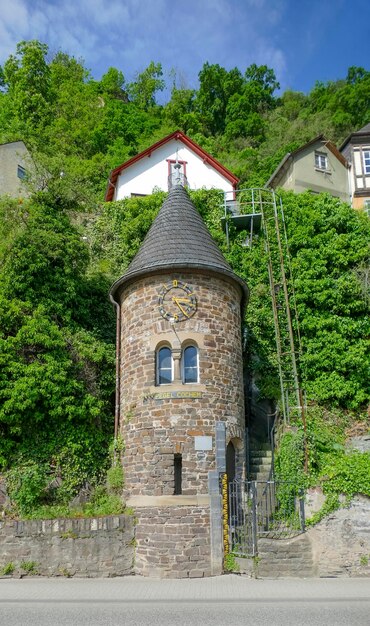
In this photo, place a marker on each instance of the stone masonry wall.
(92, 547)
(341, 542)
(336, 547)
(173, 542)
(154, 429)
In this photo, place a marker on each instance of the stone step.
(260, 463)
(260, 454)
(256, 446)
(286, 573)
(260, 476)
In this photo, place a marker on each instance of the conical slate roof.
(178, 239)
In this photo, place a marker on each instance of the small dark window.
(190, 365)
(177, 467)
(164, 366)
(21, 172)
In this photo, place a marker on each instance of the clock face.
(177, 301)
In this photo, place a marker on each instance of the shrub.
(26, 485)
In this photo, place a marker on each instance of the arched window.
(164, 366)
(190, 366)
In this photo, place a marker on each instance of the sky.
(301, 40)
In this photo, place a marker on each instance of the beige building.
(180, 398)
(14, 158)
(317, 166)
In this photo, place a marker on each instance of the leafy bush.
(348, 474)
(290, 458)
(115, 479)
(26, 486)
(103, 503)
(337, 472)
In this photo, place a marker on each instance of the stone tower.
(180, 389)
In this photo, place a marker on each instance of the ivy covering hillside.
(62, 248)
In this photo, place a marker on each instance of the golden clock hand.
(183, 301)
(176, 301)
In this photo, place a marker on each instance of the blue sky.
(303, 41)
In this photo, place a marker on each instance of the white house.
(155, 168)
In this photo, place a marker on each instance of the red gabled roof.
(207, 158)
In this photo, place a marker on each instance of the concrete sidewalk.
(221, 589)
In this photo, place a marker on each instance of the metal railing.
(271, 509)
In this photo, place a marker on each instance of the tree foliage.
(56, 352)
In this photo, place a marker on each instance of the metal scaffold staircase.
(259, 212)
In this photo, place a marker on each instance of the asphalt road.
(218, 601)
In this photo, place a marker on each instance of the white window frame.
(367, 207)
(321, 161)
(184, 367)
(366, 161)
(167, 369)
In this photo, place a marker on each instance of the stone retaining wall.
(92, 547)
(174, 542)
(341, 542)
(337, 547)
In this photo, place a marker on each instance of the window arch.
(190, 365)
(164, 366)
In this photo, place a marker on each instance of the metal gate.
(273, 509)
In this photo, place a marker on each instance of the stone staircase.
(277, 557)
(260, 461)
(286, 558)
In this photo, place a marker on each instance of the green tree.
(112, 83)
(26, 77)
(216, 87)
(146, 85)
(244, 113)
(180, 110)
